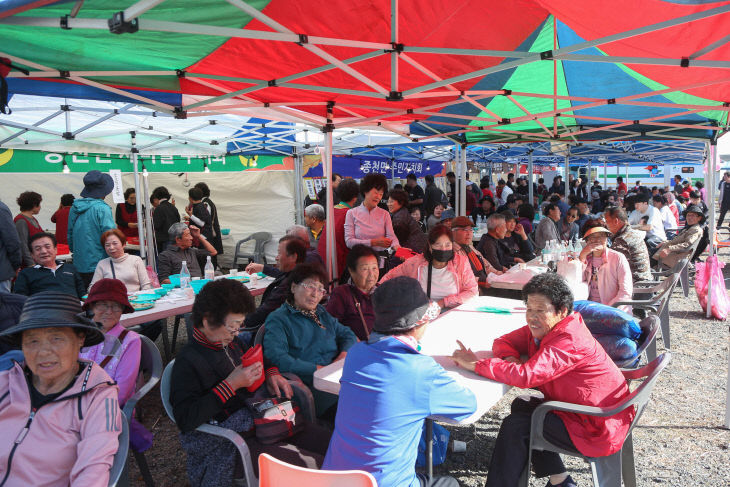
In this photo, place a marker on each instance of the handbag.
(359, 311)
(275, 419)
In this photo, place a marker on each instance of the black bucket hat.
(695, 209)
(400, 305)
(97, 185)
(53, 310)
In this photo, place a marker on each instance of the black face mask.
(442, 255)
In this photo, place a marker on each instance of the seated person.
(606, 271)
(695, 198)
(130, 269)
(568, 227)
(170, 261)
(655, 234)
(493, 246)
(209, 385)
(547, 229)
(516, 239)
(47, 274)
(292, 251)
(350, 303)
(525, 216)
(301, 336)
(661, 203)
(565, 363)
(445, 276)
(72, 403)
(463, 233)
(484, 210)
(435, 218)
(405, 227)
(672, 251)
(380, 415)
(302, 233)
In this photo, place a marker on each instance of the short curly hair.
(400, 196)
(220, 298)
(348, 189)
(28, 200)
(551, 286)
(373, 180)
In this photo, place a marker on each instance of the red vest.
(128, 217)
(33, 225)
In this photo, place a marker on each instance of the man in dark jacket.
(432, 197)
(47, 274)
(163, 216)
(292, 251)
(724, 197)
(198, 213)
(492, 246)
(216, 239)
(10, 256)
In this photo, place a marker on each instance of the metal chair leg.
(684, 280)
(174, 332)
(664, 316)
(144, 469)
(165, 340)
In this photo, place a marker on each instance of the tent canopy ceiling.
(473, 70)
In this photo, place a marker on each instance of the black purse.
(275, 419)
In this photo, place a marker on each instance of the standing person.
(25, 222)
(11, 257)
(432, 196)
(724, 197)
(47, 274)
(416, 195)
(60, 218)
(451, 178)
(314, 219)
(164, 214)
(126, 214)
(621, 186)
(198, 213)
(368, 224)
(89, 217)
(389, 389)
(217, 240)
(701, 189)
(348, 191)
(558, 186)
(322, 194)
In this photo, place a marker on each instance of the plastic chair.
(150, 364)
(259, 338)
(647, 341)
(658, 303)
(120, 457)
(258, 255)
(607, 471)
(275, 473)
(232, 436)
(681, 268)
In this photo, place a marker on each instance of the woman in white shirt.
(445, 276)
(129, 269)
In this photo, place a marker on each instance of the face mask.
(442, 255)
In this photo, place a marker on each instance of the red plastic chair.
(275, 473)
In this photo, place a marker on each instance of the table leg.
(429, 448)
(165, 340)
(174, 332)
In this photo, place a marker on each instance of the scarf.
(309, 313)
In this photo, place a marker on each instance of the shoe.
(568, 482)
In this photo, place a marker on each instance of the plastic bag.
(440, 445)
(154, 281)
(618, 348)
(720, 302)
(602, 319)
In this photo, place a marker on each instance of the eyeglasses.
(107, 307)
(313, 288)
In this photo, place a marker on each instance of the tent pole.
(137, 187)
(331, 257)
(589, 178)
(605, 175)
(462, 181)
(151, 249)
(530, 168)
(567, 177)
(710, 185)
(298, 211)
(627, 175)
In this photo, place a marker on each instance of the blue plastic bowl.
(161, 291)
(168, 287)
(174, 279)
(225, 231)
(198, 284)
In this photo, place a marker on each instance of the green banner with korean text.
(29, 161)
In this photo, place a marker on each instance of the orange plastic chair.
(721, 244)
(275, 473)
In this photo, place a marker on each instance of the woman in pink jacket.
(446, 276)
(565, 363)
(606, 271)
(59, 416)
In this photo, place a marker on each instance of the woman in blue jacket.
(302, 337)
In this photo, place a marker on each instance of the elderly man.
(11, 257)
(463, 232)
(629, 242)
(493, 247)
(654, 228)
(548, 229)
(170, 261)
(291, 252)
(302, 233)
(314, 218)
(47, 274)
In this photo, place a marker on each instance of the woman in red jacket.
(565, 363)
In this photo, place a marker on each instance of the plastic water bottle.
(209, 272)
(184, 276)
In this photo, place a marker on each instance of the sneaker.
(568, 482)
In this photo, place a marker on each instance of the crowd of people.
(73, 365)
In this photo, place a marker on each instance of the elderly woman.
(301, 336)
(26, 224)
(565, 363)
(446, 276)
(351, 303)
(59, 415)
(568, 228)
(516, 238)
(368, 224)
(129, 269)
(406, 229)
(210, 385)
(547, 229)
(672, 251)
(126, 214)
(606, 271)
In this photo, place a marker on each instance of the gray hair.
(299, 231)
(315, 211)
(494, 221)
(176, 230)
